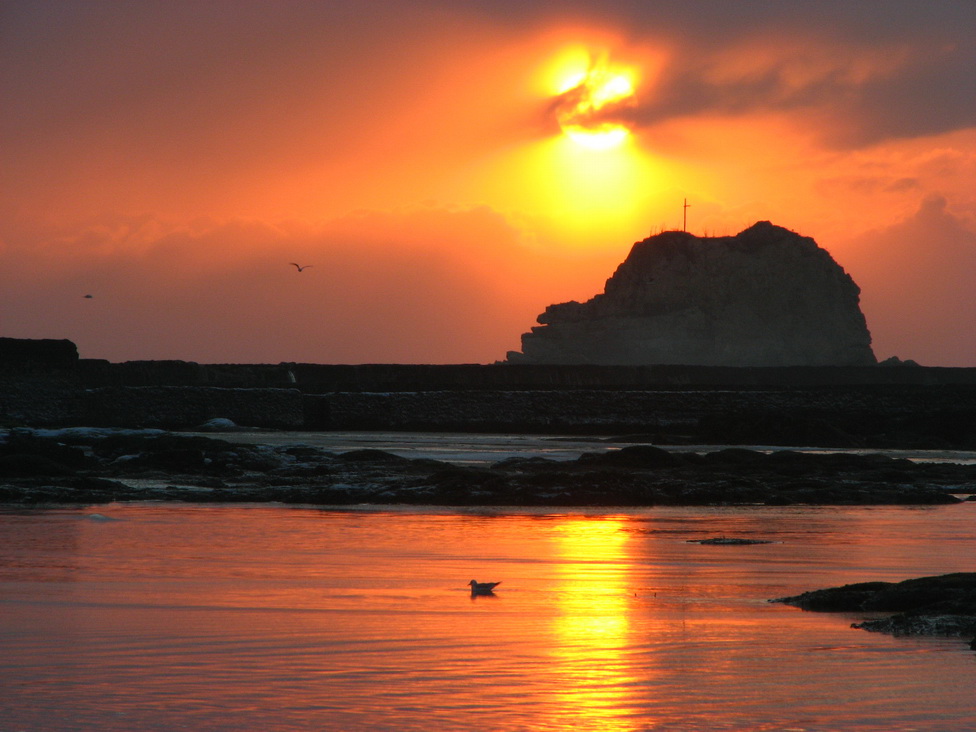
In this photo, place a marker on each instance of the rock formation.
(765, 297)
(938, 605)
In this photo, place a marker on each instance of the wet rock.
(220, 424)
(735, 456)
(936, 605)
(24, 443)
(848, 598)
(921, 623)
(72, 490)
(198, 468)
(950, 593)
(635, 456)
(31, 465)
(371, 456)
(729, 541)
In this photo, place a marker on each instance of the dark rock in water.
(220, 424)
(765, 297)
(21, 443)
(944, 593)
(729, 541)
(370, 455)
(922, 623)
(848, 598)
(735, 456)
(66, 466)
(176, 461)
(939, 605)
(635, 456)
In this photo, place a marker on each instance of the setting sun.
(589, 175)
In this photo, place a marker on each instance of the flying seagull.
(300, 267)
(482, 588)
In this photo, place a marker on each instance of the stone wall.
(48, 401)
(46, 353)
(866, 405)
(179, 407)
(922, 417)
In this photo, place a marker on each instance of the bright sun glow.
(588, 102)
(591, 184)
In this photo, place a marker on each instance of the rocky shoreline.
(939, 605)
(91, 466)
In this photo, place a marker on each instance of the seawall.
(872, 406)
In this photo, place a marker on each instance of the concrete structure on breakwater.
(873, 406)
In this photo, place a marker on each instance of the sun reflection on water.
(592, 627)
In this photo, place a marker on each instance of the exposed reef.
(729, 541)
(939, 605)
(764, 297)
(100, 466)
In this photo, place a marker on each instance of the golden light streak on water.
(592, 626)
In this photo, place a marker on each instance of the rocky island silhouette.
(764, 297)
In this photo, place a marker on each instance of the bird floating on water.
(300, 267)
(482, 588)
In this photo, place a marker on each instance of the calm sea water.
(172, 616)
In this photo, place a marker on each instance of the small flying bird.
(88, 297)
(300, 267)
(482, 588)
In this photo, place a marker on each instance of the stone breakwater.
(836, 417)
(89, 466)
(62, 403)
(877, 406)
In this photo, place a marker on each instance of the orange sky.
(171, 159)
